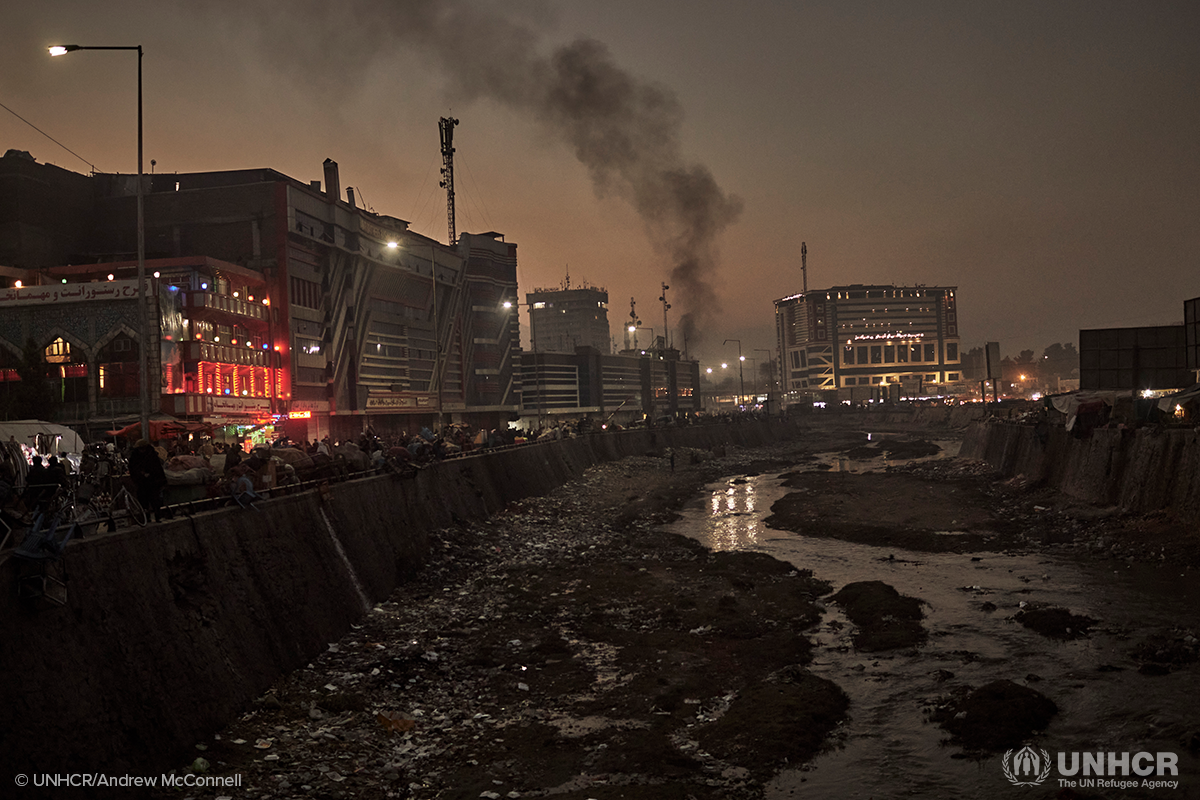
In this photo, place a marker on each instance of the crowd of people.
(148, 469)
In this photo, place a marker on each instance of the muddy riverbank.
(570, 647)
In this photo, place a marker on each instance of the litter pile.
(561, 646)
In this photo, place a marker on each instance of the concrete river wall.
(169, 631)
(1142, 470)
(1138, 470)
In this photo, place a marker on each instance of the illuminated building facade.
(215, 360)
(868, 337)
(367, 323)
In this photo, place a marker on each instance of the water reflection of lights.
(732, 520)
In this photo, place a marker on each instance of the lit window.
(58, 352)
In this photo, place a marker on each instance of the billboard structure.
(1191, 326)
(1134, 358)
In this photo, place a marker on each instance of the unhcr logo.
(1028, 767)
(1031, 767)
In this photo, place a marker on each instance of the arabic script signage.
(61, 293)
(398, 401)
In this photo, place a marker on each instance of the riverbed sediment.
(568, 647)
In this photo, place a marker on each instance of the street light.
(741, 360)
(143, 327)
(635, 328)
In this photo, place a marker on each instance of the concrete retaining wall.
(170, 630)
(1148, 469)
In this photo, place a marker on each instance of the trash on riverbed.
(393, 722)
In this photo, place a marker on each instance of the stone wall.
(169, 631)
(1143, 470)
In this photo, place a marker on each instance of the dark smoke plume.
(625, 131)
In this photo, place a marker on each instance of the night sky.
(1041, 156)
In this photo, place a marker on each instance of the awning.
(163, 429)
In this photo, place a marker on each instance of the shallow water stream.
(887, 747)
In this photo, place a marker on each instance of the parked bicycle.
(124, 506)
(70, 504)
(118, 505)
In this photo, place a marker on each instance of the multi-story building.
(868, 336)
(625, 387)
(368, 323)
(563, 319)
(215, 361)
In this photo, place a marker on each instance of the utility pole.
(666, 306)
(741, 379)
(446, 126)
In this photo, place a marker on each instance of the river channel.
(888, 748)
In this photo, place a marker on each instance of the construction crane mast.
(446, 126)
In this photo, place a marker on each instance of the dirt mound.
(893, 448)
(914, 511)
(804, 709)
(996, 716)
(1055, 623)
(885, 618)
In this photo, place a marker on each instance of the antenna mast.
(804, 264)
(446, 126)
(634, 322)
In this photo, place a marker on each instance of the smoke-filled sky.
(1041, 156)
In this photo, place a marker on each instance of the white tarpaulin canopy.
(25, 431)
(1169, 402)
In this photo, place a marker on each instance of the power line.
(421, 203)
(477, 196)
(48, 136)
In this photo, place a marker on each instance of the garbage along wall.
(1142, 470)
(169, 631)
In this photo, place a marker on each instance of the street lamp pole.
(143, 326)
(437, 334)
(741, 361)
